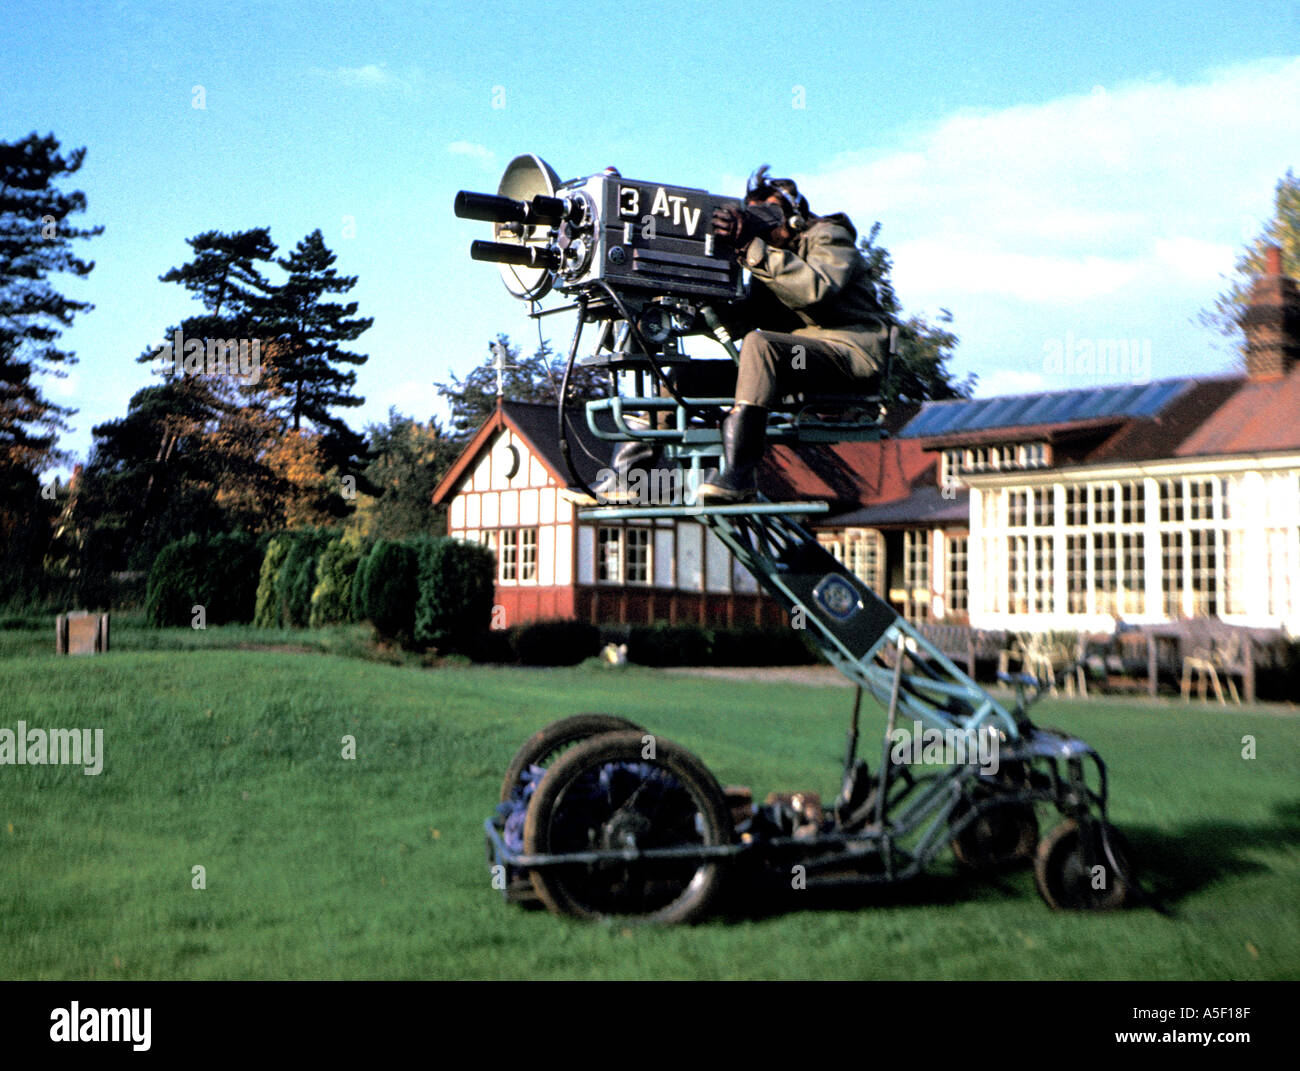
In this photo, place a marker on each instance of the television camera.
(643, 252)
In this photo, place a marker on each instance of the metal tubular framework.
(647, 288)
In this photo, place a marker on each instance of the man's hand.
(740, 225)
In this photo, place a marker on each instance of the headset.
(796, 204)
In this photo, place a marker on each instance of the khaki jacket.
(824, 280)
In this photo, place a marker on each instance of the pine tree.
(35, 242)
(311, 334)
(224, 276)
(216, 414)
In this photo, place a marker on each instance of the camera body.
(646, 236)
(646, 241)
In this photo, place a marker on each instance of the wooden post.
(1248, 672)
(1153, 668)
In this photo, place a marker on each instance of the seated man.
(821, 329)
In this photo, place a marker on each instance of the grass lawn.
(320, 867)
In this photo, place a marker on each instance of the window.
(916, 575)
(1042, 585)
(1132, 502)
(527, 553)
(1076, 574)
(609, 555)
(1003, 458)
(1017, 509)
(955, 577)
(1033, 455)
(861, 551)
(1076, 506)
(950, 468)
(1105, 572)
(1132, 563)
(1205, 593)
(864, 557)
(1029, 574)
(1172, 502)
(638, 556)
(1200, 500)
(1103, 503)
(1173, 575)
(1018, 573)
(623, 555)
(1044, 507)
(833, 545)
(517, 554)
(509, 559)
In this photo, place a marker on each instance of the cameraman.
(817, 324)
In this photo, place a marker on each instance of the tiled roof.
(1260, 416)
(539, 424)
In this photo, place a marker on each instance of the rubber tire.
(561, 893)
(986, 844)
(544, 746)
(1060, 870)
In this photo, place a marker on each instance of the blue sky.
(1051, 173)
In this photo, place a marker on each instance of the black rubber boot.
(617, 485)
(744, 434)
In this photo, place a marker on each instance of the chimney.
(1271, 321)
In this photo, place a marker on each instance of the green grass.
(34, 635)
(318, 867)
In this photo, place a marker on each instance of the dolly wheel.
(1073, 872)
(999, 838)
(613, 793)
(545, 745)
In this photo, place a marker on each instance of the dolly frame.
(859, 634)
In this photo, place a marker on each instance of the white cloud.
(470, 149)
(967, 266)
(371, 75)
(1143, 184)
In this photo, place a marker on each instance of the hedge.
(695, 645)
(457, 589)
(388, 589)
(555, 642)
(288, 577)
(336, 569)
(218, 573)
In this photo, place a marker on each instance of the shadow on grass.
(1171, 866)
(1174, 864)
(752, 897)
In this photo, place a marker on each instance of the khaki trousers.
(774, 364)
